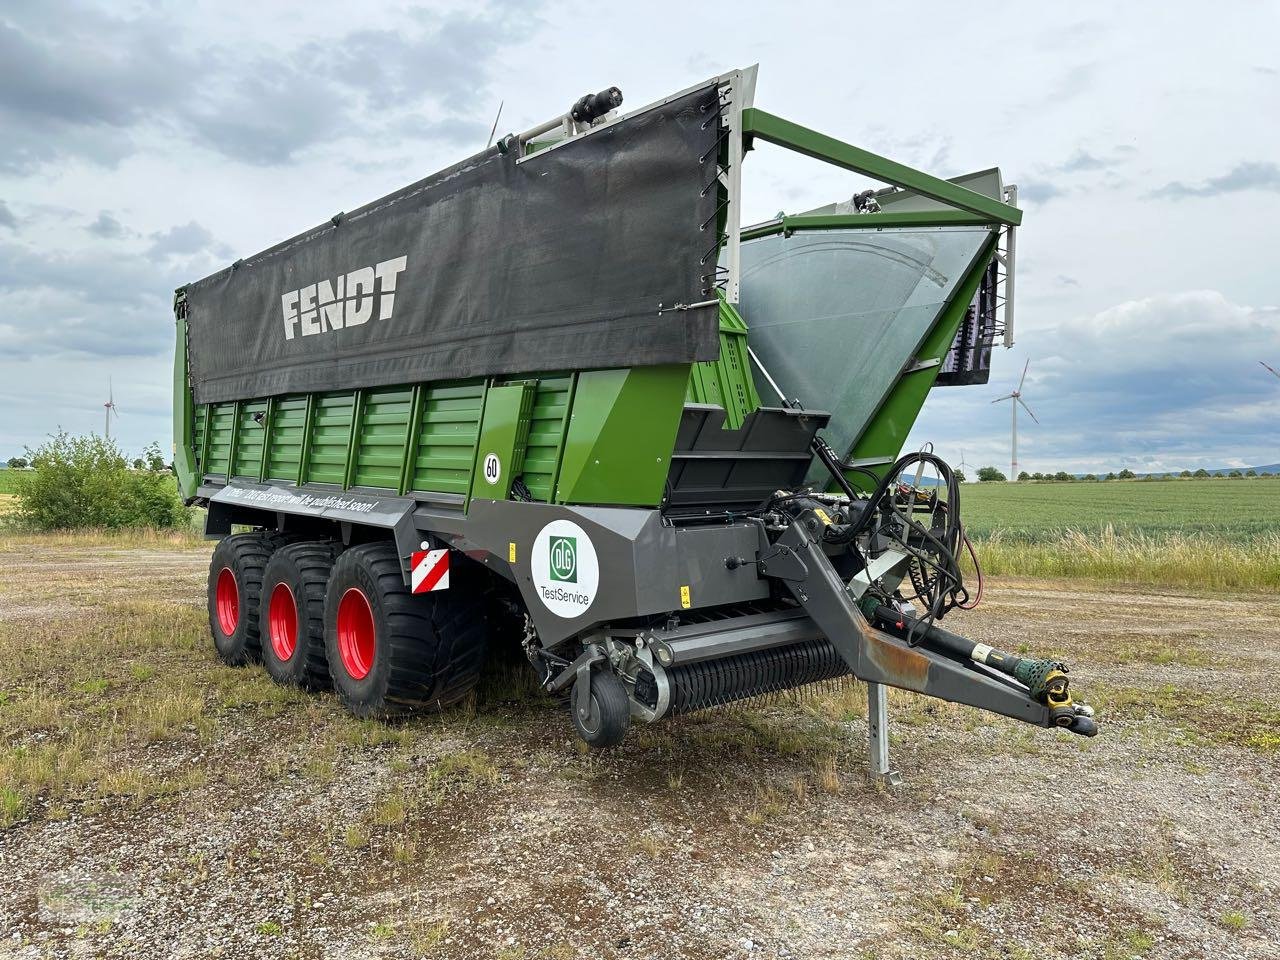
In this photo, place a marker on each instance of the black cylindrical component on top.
(596, 105)
(933, 636)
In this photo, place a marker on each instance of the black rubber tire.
(245, 555)
(610, 711)
(304, 568)
(428, 649)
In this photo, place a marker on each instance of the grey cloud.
(454, 130)
(1251, 175)
(1086, 161)
(7, 219)
(104, 299)
(106, 226)
(1082, 161)
(80, 83)
(269, 113)
(448, 60)
(1071, 83)
(186, 239)
(1039, 191)
(73, 81)
(1180, 405)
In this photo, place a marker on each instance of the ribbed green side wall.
(446, 440)
(423, 438)
(285, 452)
(727, 382)
(384, 428)
(330, 438)
(546, 435)
(250, 435)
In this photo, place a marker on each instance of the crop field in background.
(9, 480)
(1232, 510)
(1199, 534)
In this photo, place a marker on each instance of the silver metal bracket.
(878, 735)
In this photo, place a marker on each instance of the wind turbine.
(1016, 397)
(111, 410)
(962, 466)
(1270, 367)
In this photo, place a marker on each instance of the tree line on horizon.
(995, 475)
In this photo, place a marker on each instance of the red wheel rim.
(227, 601)
(355, 633)
(282, 621)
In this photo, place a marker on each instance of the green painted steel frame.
(184, 442)
(811, 143)
(839, 221)
(410, 436)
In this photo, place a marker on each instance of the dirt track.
(190, 810)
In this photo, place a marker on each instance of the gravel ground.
(289, 830)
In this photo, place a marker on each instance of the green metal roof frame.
(765, 126)
(835, 221)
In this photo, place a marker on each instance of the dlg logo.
(564, 559)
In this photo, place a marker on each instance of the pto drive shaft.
(1046, 680)
(930, 660)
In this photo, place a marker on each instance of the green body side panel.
(548, 421)
(330, 434)
(218, 443)
(250, 434)
(504, 434)
(446, 437)
(379, 448)
(623, 429)
(199, 420)
(727, 382)
(887, 430)
(284, 444)
(187, 426)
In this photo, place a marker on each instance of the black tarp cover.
(559, 262)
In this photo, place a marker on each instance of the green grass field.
(1198, 534)
(1236, 510)
(9, 480)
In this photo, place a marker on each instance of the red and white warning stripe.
(430, 570)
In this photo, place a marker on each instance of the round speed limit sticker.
(492, 468)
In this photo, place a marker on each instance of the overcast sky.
(143, 145)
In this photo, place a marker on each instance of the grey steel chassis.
(653, 573)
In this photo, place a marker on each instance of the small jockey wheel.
(600, 707)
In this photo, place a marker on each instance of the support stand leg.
(878, 735)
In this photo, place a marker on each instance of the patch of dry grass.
(1196, 561)
(88, 698)
(182, 538)
(1195, 713)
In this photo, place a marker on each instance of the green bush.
(86, 482)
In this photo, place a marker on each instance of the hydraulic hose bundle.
(934, 549)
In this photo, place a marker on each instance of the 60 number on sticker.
(492, 468)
